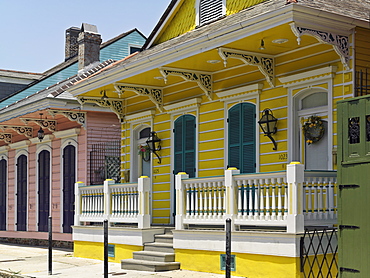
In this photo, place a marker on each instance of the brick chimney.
(89, 41)
(71, 47)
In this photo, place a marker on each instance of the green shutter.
(185, 145)
(242, 137)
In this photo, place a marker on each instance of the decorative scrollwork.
(204, 80)
(45, 123)
(78, 117)
(154, 94)
(340, 43)
(354, 130)
(6, 137)
(265, 64)
(115, 105)
(22, 130)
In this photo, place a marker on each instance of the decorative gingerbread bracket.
(340, 43)
(203, 79)
(116, 105)
(77, 116)
(155, 94)
(22, 130)
(265, 64)
(6, 137)
(45, 123)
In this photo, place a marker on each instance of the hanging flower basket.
(313, 129)
(144, 152)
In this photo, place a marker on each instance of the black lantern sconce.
(268, 125)
(154, 144)
(40, 133)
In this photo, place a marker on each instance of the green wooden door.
(354, 192)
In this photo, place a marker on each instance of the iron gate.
(318, 253)
(105, 162)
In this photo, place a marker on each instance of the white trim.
(301, 78)
(20, 144)
(241, 92)
(67, 133)
(139, 116)
(48, 138)
(182, 105)
(4, 149)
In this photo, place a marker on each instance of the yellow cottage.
(229, 111)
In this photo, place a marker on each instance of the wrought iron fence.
(318, 253)
(105, 162)
(362, 86)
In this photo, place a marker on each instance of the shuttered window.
(209, 10)
(184, 133)
(242, 137)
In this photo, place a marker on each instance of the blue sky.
(32, 33)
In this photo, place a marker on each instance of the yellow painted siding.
(234, 6)
(94, 250)
(183, 21)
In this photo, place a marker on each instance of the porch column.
(295, 218)
(180, 200)
(231, 195)
(77, 203)
(144, 202)
(107, 199)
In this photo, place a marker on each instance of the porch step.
(159, 247)
(166, 238)
(145, 265)
(157, 256)
(154, 256)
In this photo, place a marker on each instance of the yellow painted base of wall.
(247, 265)
(95, 250)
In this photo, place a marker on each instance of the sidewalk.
(29, 261)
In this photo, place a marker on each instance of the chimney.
(71, 47)
(89, 41)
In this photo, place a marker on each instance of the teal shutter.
(185, 145)
(242, 137)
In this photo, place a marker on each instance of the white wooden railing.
(118, 203)
(293, 199)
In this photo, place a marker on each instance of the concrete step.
(159, 247)
(154, 256)
(143, 265)
(166, 238)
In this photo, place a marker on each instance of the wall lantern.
(268, 125)
(154, 144)
(40, 133)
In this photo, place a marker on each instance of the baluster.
(256, 210)
(262, 196)
(331, 199)
(207, 206)
(219, 198)
(240, 198)
(286, 196)
(214, 191)
(327, 181)
(280, 203)
(120, 207)
(304, 204)
(245, 198)
(136, 201)
(196, 195)
(251, 193)
(188, 198)
(320, 198)
(125, 202)
(310, 192)
(267, 201)
(315, 198)
(94, 203)
(223, 199)
(273, 199)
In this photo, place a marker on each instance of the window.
(242, 137)
(209, 10)
(184, 132)
(134, 49)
